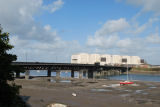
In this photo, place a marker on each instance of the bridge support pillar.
(120, 72)
(72, 74)
(49, 73)
(17, 74)
(85, 74)
(90, 74)
(108, 73)
(27, 73)
(95, 74)
(80, 74)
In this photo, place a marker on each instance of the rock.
(104, 85)
(74, 94)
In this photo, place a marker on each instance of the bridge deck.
(88, 69)
(64, 66)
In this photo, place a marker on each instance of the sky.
(53, 30)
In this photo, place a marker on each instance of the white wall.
(94, 58)
(84, 58)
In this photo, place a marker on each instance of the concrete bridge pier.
(120, 72)
(49, 73)
(27, 73)
(80, 74)
(90, 74)
(95, 74)
(112, 72)
(108, 73)
(85, 74)
(103, 73)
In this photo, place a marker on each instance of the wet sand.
(39, 92)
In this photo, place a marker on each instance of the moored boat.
(126, 82)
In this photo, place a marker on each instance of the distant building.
(105, 59)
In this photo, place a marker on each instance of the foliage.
(9, 92)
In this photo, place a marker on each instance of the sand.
(39, 92)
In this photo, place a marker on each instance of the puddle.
(119, 89)
(62, 81)
(145, 93)
(141, 101)
(128, 90)
(111, 85)
(152, 87)
(135, 85)
(52, 80)
(150, 84)
(65, 81)
(101, 90)
(125, 95)
(139, 91)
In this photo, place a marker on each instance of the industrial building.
(105, 59)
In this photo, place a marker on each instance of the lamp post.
(127, 71)
(111, 59)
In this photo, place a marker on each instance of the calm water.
(141, 77)
(44, 73)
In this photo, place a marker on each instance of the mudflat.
(41, 91)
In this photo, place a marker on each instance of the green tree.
(9, 91)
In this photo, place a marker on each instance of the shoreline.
(39, 92)
(145, 72)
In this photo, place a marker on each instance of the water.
(44, 73)
(140, 77)
(100, 90)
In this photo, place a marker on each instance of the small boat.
(126, 82)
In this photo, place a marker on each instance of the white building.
(105, 59)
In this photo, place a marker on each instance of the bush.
(9, 93)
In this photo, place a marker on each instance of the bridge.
(87, 70)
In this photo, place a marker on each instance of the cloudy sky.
(53, 30)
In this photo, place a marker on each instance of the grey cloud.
(153, 38)
(147, 5)
(137, 29)
(17, 17)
